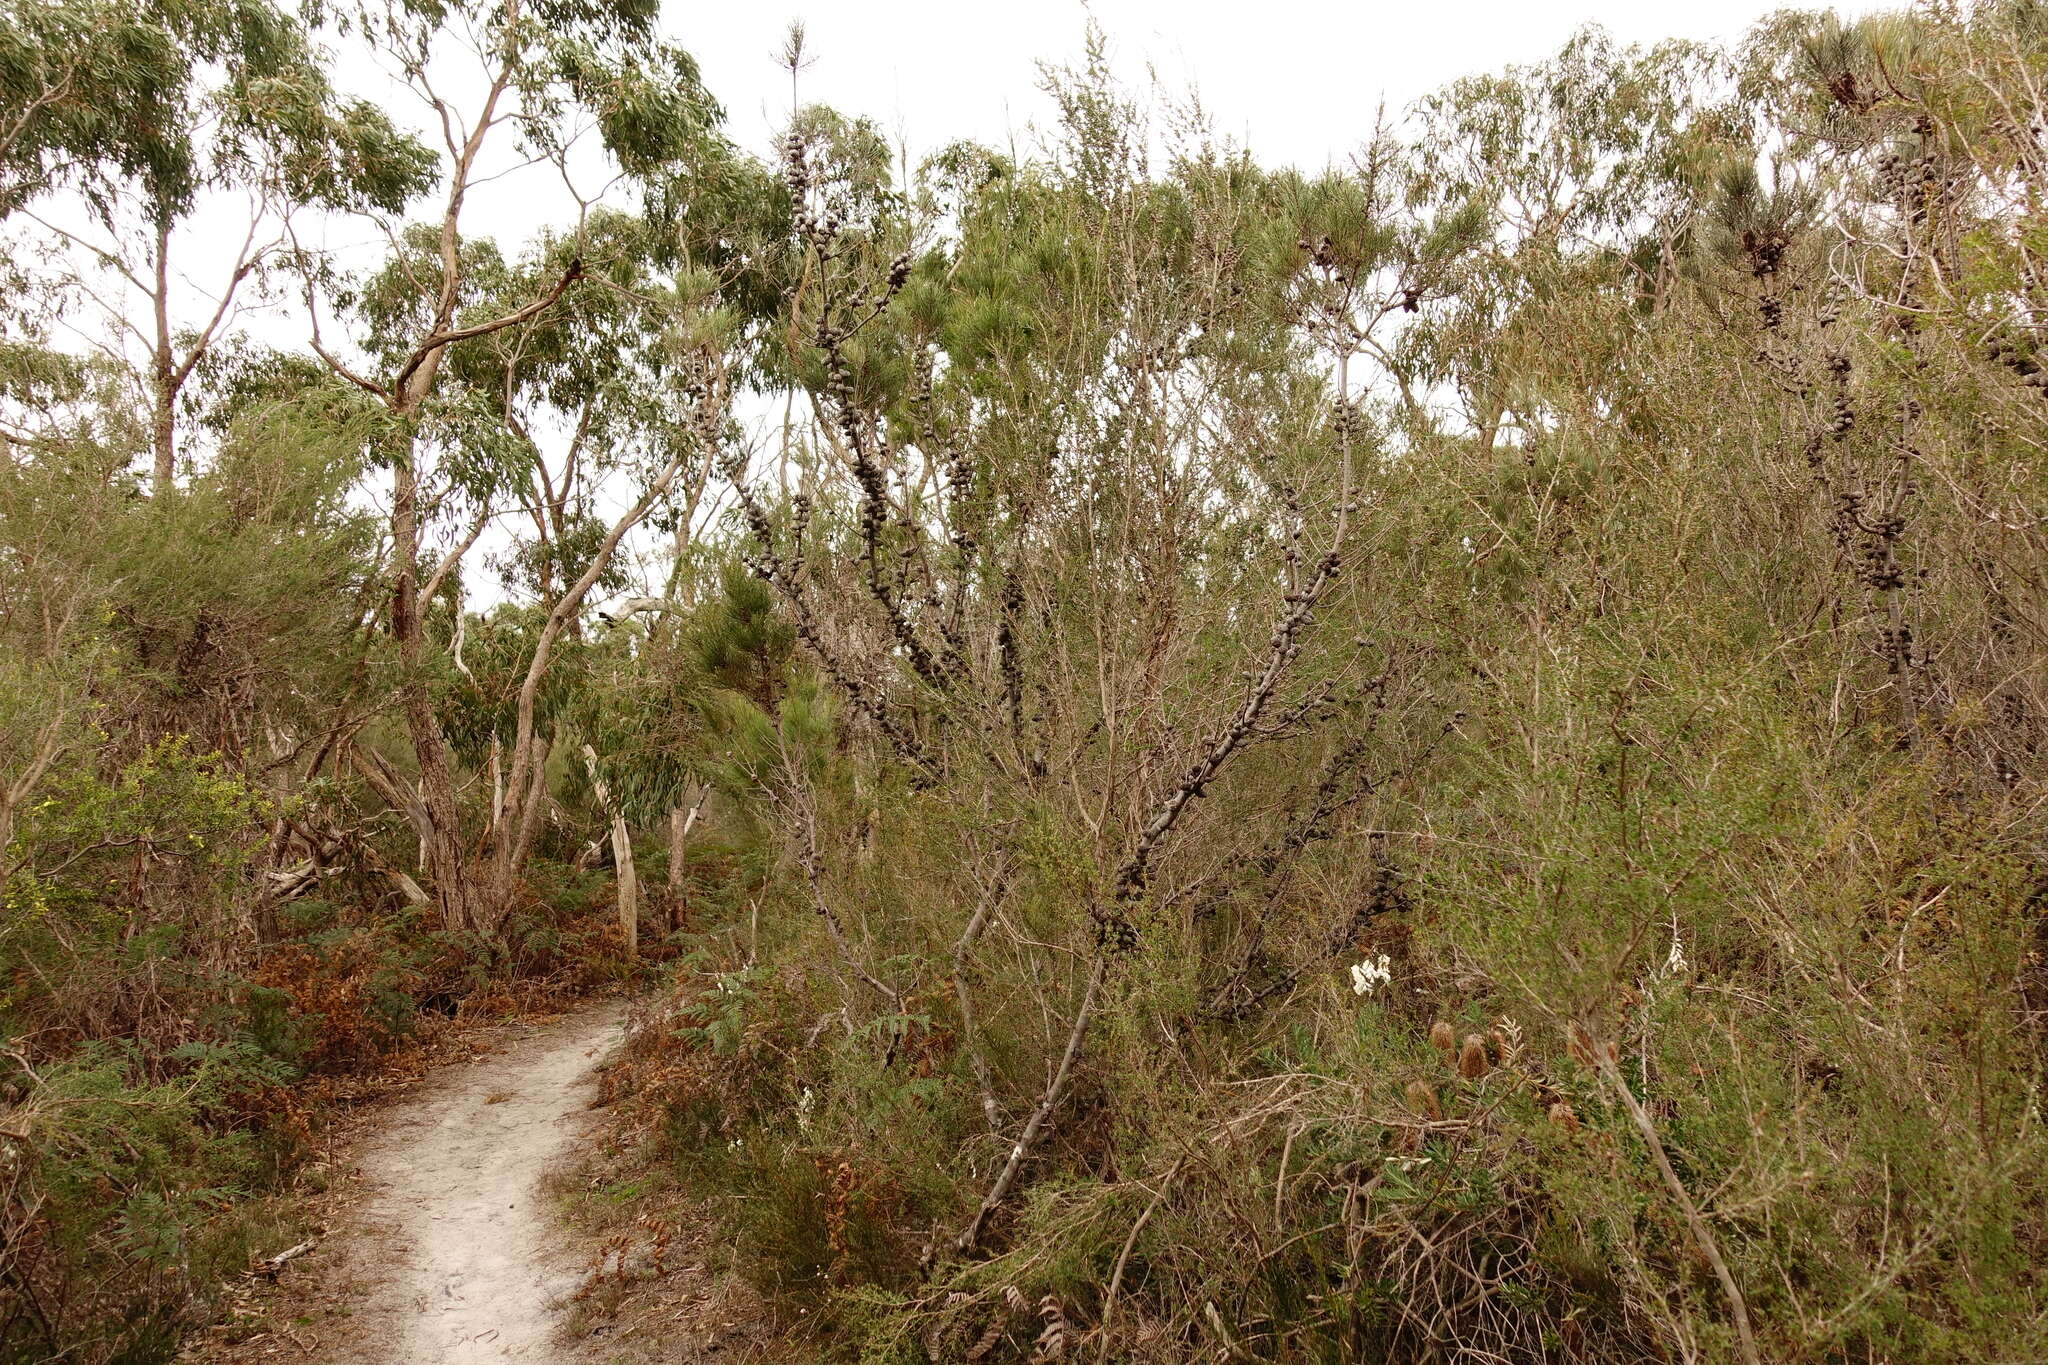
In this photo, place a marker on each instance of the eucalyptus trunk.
(456, 888)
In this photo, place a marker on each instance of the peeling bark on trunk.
(622, 860)
(678, 838)
(680, 821)
(629, 886)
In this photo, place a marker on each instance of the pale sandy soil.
(443, 1247)
(474, 1271)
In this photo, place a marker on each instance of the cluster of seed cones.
(1469, 1058)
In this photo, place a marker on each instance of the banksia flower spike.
(1472, 1063)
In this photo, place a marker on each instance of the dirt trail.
(460, 1255)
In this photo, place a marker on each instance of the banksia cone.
(1561, 1114)
(1472, 1063)
(1442, 1039)
(1422, 1099)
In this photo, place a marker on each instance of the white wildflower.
(805, 1103)
(1369, 976)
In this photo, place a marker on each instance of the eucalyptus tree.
(149, 115)
(603, 413)
(74, 80)
(1587, 169)
(538, 78)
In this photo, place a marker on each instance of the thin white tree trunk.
(629, 886)
(681, 819)
(497, 786)
(622, 860)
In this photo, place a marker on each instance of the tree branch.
(442, 338)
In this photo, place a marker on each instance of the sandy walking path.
(453, 1216)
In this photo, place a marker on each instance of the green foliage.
(102, 96)
(738, 640)
(127, 1203)
(1653, 896)
(1439, 759)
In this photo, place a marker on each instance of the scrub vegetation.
(1436, 759)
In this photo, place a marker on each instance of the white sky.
(1298, 82)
